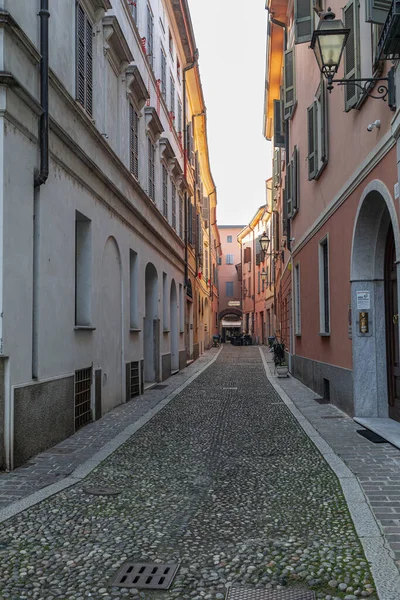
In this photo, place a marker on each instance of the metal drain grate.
(146, 576)
(246, 593)
(101, 491)
(159, 387)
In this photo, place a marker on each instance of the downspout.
(41, 174)
(187, 68)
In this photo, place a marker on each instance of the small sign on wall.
(364, 300)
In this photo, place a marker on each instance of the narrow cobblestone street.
(223, 479)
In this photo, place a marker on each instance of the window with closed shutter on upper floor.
(84, 60)
(163, 74)
(134, 141)
(229, 259)
(150, 37)
(151, 168)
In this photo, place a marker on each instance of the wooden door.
(392, 328)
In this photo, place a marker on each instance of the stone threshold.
(388, 429)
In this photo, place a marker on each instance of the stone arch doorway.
(151, 328)
(111, 326)
(374, 301)
(174, 328)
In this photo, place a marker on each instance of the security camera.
(376, 124)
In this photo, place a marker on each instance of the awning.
(226, 323)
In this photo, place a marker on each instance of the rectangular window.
(150, 37)
(229, 239)
(171, 45)
(84, 61)
(181, 311)
(165, 303)
(151, 167)
(181, 211)
(317, 134)
(134, 141)
(178, 121)
(163, 75)
(173, 202)
(303, 20)
(289, 83)
(259, 283)
(206, 261)
(133, 288)
(133, 5)
(351, 19)
(165, 191)
(324, 305)
(172, 95)
(229, 259)
(83, 270)
(297, 299)
(229, 289)
(219, 260)
(178, 69)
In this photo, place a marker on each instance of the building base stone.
(43, 417)
(165, 366)
(182, 359)
(196, 351)
(312, 373)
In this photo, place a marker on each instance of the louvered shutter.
(279, 136)
(377, 10)
(81, 52)
(285, 211)
(178, 123)
(276, 232)
(89, 68)
(303, 20)
(163, 75)
(324, 150)
(188, 140)
(312, 157)
(194, 237)
(295, 181)
(189, 222)
(351, 53)
(288, 189)
(289, 83)
(134, 141)
(172, 96)
(198, 233)
(150, 27)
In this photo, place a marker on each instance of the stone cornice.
(153, 122)
(115, 42)
(136, 87)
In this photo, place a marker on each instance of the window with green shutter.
(317, 118)
(376, 11)
(303, 20)
(351, 19)
(84, 61)
(289, 91)
(312, 139)
(295, 181)
(134, 141)
(279, 132)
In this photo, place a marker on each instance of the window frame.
(324, 287)
(151, 160)
(87, 72)
(229, 259)
(134, 141)
(297, 299)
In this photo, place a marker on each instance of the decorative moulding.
(136, 87)
(115, 43)
(177, 172)
(167, 151)
(153, 122)
(97, 7)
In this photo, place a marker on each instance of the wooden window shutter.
(285, 213)
(89, 68)
(188, 140)
(377, 11)
(312, 134)
(276, 232)
(134, 141)
(295, 181)
(351, 53)
(247, 255)
(324, 150)
(303, 20)
(190, 230)
(84, 61)
(289, 91)
(194, 238)
(163, 75)
(81, 42)
(279, 134)
(289, 188)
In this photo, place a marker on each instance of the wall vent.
(83, 387)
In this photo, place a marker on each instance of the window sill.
(166, 330)
(134, 330)
(323, 334)
(298, 335)
(84, 328)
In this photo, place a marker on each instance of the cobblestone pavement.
(57, 463)
(377, 466)
(223, 479)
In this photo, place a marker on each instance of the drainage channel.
(146, 576)
(247, 593)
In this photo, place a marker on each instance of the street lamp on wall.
(264, 242)
(245, 291)
(263, 275)
(328, 42)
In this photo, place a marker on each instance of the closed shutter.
(89, 68)
(194, 242)
(289, 83)
(84, 61)
(198, 237)
(247, 255)
(351, 53)
(377, 10)
(276, 232)
(303, 20)
(81, 42)
(178, 123)
(189, 140)
(150, 29)
(279, 135)
(134, 141)
(190, 229)
(312, 134)
(323, 107)
(285, 212)
(295, 181)
(289, 189)
(151, 158)
(163, 75)
(172, 99)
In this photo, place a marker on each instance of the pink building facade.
(336, 183)
(229, 268)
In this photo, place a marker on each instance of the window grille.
(165, 191)
(134, 379)
(134, 141)
(173, 202)
(83, 386)
(84, 56)
(152, 155)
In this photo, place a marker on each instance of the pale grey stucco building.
(92, 260)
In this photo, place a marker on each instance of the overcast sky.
(231, 40)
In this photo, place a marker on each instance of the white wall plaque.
(363, 300)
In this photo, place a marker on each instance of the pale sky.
(231, 40)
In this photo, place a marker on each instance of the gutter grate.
(149, 576)
(159, 387)
(247, 593)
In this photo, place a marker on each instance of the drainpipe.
(187, 68)
(41, 174)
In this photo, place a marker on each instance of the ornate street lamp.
(245, 291)
(328, 42)
(263, 275)
(264, 242)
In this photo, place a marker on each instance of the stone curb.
(89, 465)
(377, 551)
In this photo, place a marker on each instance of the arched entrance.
(374, 280)
(174, 328)
(151, 326)
(230, 323)
(111, 326)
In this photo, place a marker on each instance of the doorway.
(151, 326)
(174, 328)
(392, 328)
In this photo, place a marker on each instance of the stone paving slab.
(59, 462)
(224, 480)
(376, 466)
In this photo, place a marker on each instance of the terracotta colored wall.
(336, 349)
(228, 272)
